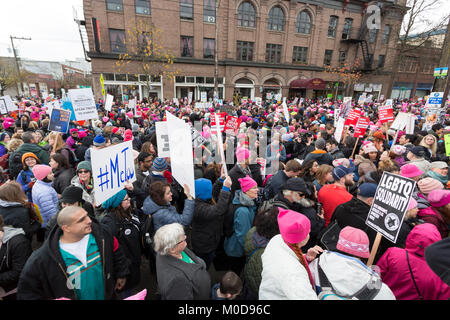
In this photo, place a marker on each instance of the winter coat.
(62, 179)
(396, 273)
(438, 259)
(14, 253)
(18, 216)
(24, 178)
(242, 222)
(283, 276)
(37, 150)
(337, 154)
(127, 232)
(254, 247)
(46, 198)
(44, 276)
(431, 215)
(364, 166)
(89, 197)
(167, 214)
(207, 223)
(347, 275)
(275, 184)
(321, 156)
(254, 170)
(178, 280)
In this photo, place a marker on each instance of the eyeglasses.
(300, 194)
(185, 237)
(83, 171)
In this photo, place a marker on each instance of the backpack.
(147, 231)
(15, 164)
(72, 158)
(228, 220)
(367, 292)
(268, 204)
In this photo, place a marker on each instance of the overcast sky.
(50, 25)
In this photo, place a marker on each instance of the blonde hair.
(59, 140)
(321, 173)
(433, 147)
(14, 144)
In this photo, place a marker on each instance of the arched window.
(246, 15)
(303, 23)
(276, 19)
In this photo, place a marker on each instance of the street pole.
(216, 56)
(17, 62)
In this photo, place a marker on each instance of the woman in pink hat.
(286, 274)
(438, 213)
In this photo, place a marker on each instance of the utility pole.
(17, 62)
(443, 85)
(216, 55)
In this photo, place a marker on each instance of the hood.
(422, 203)
(10, 232)
(31, 148)
(5, 204)
(360, 159)
(420, 237)
(203, 189)
(241, 198)
(150, 206)
(259, 241)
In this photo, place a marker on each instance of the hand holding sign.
(187, 192)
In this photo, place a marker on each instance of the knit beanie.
(99, 141)
(82, 134)
(28, 155)
(247, 183)
(159, 165)
(115, 200)
(72, 194)
(412, 204)
(203, 189)
(354, 241)
(114, 130)
(242, 154)
(6, 125)
(40, 171)
(439, 198)
(84, 165)
(426, 185)
(128, 135)
(294, 226)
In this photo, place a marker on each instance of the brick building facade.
(264, 46)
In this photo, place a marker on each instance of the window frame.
(276, 20)
(112, 30)
(325, 57)
(248, 46)
(205, 40)
(385, 37)
(333, 27)
(299, 23)
(347, 28)
(189, 5)
(273, 52)
(378, 61)
(208, 8)
(250, 14)
(298, 52)
(136, 6)
(110, 3)
(188, 38)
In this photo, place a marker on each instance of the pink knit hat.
(7, 124)
(82, 134)
(247, 183)
(410, 170)
(242, 154)
(426, 185)
(294, 226)
(40, 171)
(412, 204)
(354, 241)
(439, 198)
(128, 135)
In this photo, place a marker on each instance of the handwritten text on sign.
(83, 104)
(112, 167)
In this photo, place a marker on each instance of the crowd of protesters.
(264, 227)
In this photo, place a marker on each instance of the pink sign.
(361, 127)
(352, 117)
(385, 114)
(221, 116)
(232, 125)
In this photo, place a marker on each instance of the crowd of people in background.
(264, 227)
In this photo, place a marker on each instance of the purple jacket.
(395, 271)
(70, 142)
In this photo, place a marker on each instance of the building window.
(145, 45)
(381, 59)
(179, 79)
(373, 35)
(273, 53)
(209, 11)
(276, 19)
(208, 48)
(347, 28)
(190, 79)
(142, 6)
(187, 9)
(117, 40)
(246, 15)
(386, 33)
(342, 57)
(187, 46)
(300, 55)
(332, 26)
(303, 23)
(328, 57)
(244, 51)
(114, 5)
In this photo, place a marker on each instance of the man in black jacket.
(275, 183)
(242, 169)
(46, 274)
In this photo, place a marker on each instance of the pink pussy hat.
(242, 154)
(410, 171)
(294, 226)
(412, 204)
(354, 241)
(247, 183)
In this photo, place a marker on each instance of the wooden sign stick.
(376, 243)
(354, 148)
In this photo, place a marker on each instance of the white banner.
(285, 110)
(339, 129)
(112, 167)
(83, 104)
(162, 139)
(181, 156)
(109, 102)
(7, 105)
(132, 104)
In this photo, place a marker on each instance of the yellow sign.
(102, 82)
(447, 144)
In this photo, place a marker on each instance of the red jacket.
(330, 196)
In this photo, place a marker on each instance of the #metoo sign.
(112, 168)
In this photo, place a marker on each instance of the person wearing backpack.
(29, 145)
(59, 146)
(26, 177)
(292, 169)
(342, 275)
(242, 213)
(123, 221)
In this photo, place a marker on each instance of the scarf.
(259, 241)
(298, 252)
(245, 200)
(437, 176)
(88, 186)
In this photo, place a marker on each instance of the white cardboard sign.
(83, 104)
(162, 139)
(109, 102)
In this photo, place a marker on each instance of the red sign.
(352, 118)
(385, 114)
(221, 116)
(361, 127)
(232, 125)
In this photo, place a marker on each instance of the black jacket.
(19, 216)
(236, 173)
(44, 276)
(13, 256)
(127, 233)
(207, 223)
(274, 184)
(62, 179)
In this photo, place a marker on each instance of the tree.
(347, 74)
(146, 52)
(9, 77)
(418, 27)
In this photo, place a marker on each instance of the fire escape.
(83, 35)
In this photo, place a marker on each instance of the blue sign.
(67, 105)
(435, 98)
(59, 120)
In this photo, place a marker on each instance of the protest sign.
(345, 107)
(232, 125)
(203, 96)
(389, 205)
(336, 116)
(83, 104)
(362, 98)
(7, 105)
(109, 102)
(352, 117)
(220, 144)
(285, 110)
(112, 168)
(400, 121)
(190, 97)
(262, 162)
(59, 120)
(162, 139)
(361, 127)
(339, 129)
(132, 104)
(385, 113)
(447, 144)
(222, 116)
(410, 123)
(197, 138)
(181, 156)
(258, 101)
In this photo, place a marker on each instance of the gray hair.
(167, 238)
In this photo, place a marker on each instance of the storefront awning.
(314, 84)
